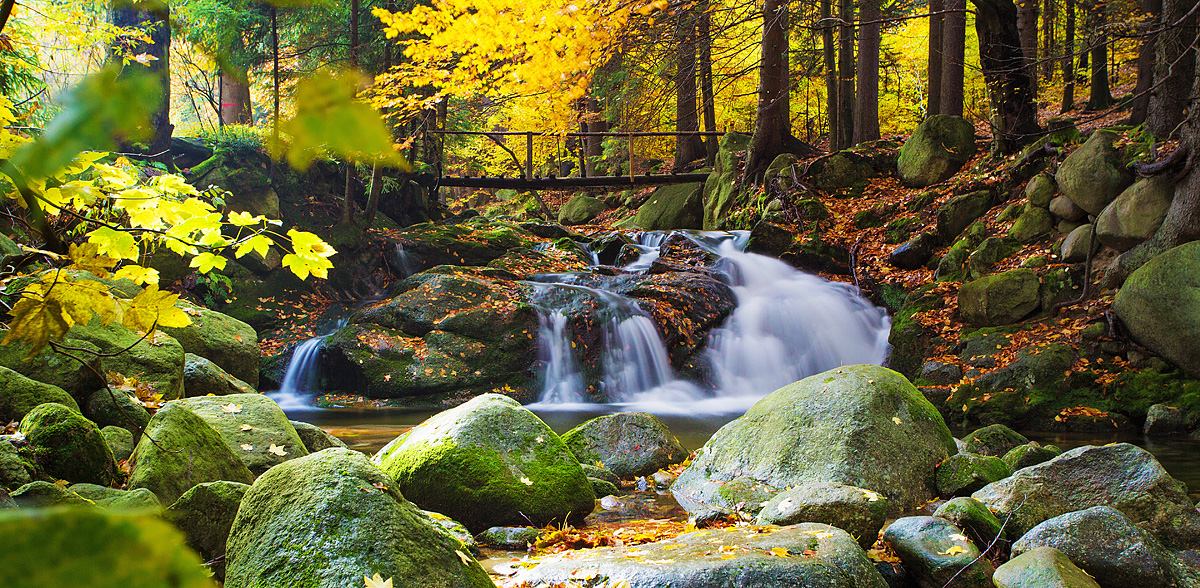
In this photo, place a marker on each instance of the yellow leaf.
(277, 450)
(245, 219)
(137, 274)
(259, 244)
(779, 551)
(466, 559)
(154, 308)
(114, 243)
(953, 550)
(376, 581)
(207, 261)
(231, 408)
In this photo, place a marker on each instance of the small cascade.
(561, 381)
(302, 379)
(405, 264)
(648, 246)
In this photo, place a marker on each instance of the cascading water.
(561, 381)
(302, 378)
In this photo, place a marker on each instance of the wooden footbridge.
(527, 180)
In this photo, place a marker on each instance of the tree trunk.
(593, 147)
(829, 57)
(1068, 60)
(770, 127)
(1027, 27)
(235, 98)
(1099, 96)
(688, 148)
(866, 106)
(1049, 46)
(348, 195)
(157, 21)
(934, 63)
(954, 48)
(707, 96)
(846, 74)
(1174, 66)
(1014, 115)
(1145, 62)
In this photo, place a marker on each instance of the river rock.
(15, 469)
(959, 212)
(315, 438)
(202, 377)
(1163, 420)
(221, 339)
(119, 440)
(1106, 544)
(600, 473)
(19, 395)
(1023, 456)
(327, 519)
(251, 425)
(1120, 475)
(205, 514)
(453, 529)
(861, 425)
(675, 206)
(113, 498)
(1094, 174)
(1160, 304)
(994, 440)
(602, 488)
(67, 446)
(1136, 213)
(116, 406)
(580, 209)
(808, 554)
(1040, 190)
(180, 450)
(50, 367)
(488, 462)
(1042, 567)
(106, 548)
(915, 252)
(1075, 245)
(43, 494)
(514, 538)
(964, 473)
(973, 518)
(155, 361)
(999, 299)
(629, 444)
(936, 150)
(859, 512)
(934, 551)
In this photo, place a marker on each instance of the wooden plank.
(553, 183)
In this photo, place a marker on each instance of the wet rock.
(1029, 454)
(250, 425)
(964, 473)
(580, 209)
(205, 514)
(514, 538)
(227, 342)
(677, 206)
(180, 450)
(202, 377)
(1163, 420)
(1042, 567)
(999, 299)
(1136, 213)
(602, 488)
(959, 212)
(994, 440)
(1160, 306)
(67, 446)
(116, 406)
(857, 511)
(19, 395)
(595, 471)
(325, 519)
(722, 189)
(915, 252)
(315, 438)
(1094, 174)
(934, 551)
(936, 150)
(628, 444)
(973, 518)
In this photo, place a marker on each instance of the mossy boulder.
(956, 214)
(861, 425)
(722, 189)
(250, 188)
(119, 440)
(100, 548)
(629, 444)
(202, 377)
(117, 406)
(1029, 454)
(1033, 224)
(857, 511)
(841, 171)
(994, 440)
(1160, 305)
(113, 498)
(934, 551)
(488, 462)
(990, 251)
(221, 339)
(1042, 567)
(1040, 190)
(49, 367)
(67, 446)
(515, 538)
(43, 494)
(602, 488)
(1094, 174)
(329, 518)
(180, 450)
(937, 149)
(964, 473)
(315, 438)
(250, 425)
(205, 514)
(675, 206)
(1136, 213)
(580, 209)
(973, 518)
(999, 299)
(19, 395)
(156, 361)
(15, 469)
(1120, 475)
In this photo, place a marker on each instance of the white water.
(562, 382)
(301, 381)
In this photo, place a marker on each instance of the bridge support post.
(528, 155)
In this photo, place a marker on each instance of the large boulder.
(722, 189)
(936, 150)
(1120, 475)
(119, 440)
(315, 438)
(94, 547)
(580, 209)
(79, 379)
(628, 444)
(113, 498)
(1040, 190)
(19, 395)
(67, 446)
(959, 212)
(1094, 174)
(253, 427)
(857, 511)
(202, 377)
(488, 462)
(1136, 213)
(1160, 305)
(180, 450)
(15, 469)
(934, 552)
(327, 519)
(861, 425)
(116, 406)
(156, 360)
(1000, 299)
(1042, 567)
(808, 554)
(221, 339)
(1033, 224)
(1078, 244)
(964, 473)
(675, 206)
(205, 514)
(973, 518)
(1066, 209)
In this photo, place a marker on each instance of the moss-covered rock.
(251, 425)
(628, 444)
(180, 450)
(857, 511)
(990, 251)
(43, 494)
(602, 488)
(101, 545)
(964, 473)
(15, 469)
(939, 146)
(994, 440)
(156, 360)
(973, 518)
(116, 406)
(19, 395)
(1033, 224)
(674, 206)
(1160, 305)
(67, 446)
(249, 187)
(1042, 567)
(934, 551)
(488, 462)
(47, 366)
(844, 170)
(999, 299)
(580, 209)
(205, 514)
(315, 438)
(328, 518)
(119, 440)
(1029, 454)
(221, 339)
(1094, 174)
(510, 537)
(1136, 213)
(202, 377)
(959, 212)
(722, 189)
(1040, 190)
(860, 425)
(600, 473)
(113, 498)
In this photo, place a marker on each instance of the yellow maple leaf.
(154, 308)
(953, 550)
(376, 581)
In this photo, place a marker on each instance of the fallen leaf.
(376, 581)
(247, 447)
(231, 408)
(277, 450)
(953, 550)
(247, 428)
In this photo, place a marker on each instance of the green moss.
(180, 450)
(68, 446)
(19, 395)
(112, 498)
(268, 425)
(964, 473)
(901, 229)
(221, 339)
(205, 514)
(156, 361)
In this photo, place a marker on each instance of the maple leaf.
(779, 551)
(376, 581)
(277, 450)
(231, 408)
(153, 307)
(953, 550)
(207, 261)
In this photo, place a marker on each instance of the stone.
(156, 361)
(67, 446)
(915, 252)
(602, 488)
(840, 171)
(857, 511)
(49, 367)
(326, 519)
(180, 450)
(453, 529)
(1033, 224)
(934, 551)
(202, 377)
(107, 548)
(1094, 174)
(514, 538)
(19, 395)
(808, 554)
(973, 518)
(937, 149)
(1040, 190)
(1160, 305)
(315, 438)
(595, 471)
(1163, 420)
(940, 374)
(1042, 567)
(994, 440)
(15, 469)
(116, 406)
(1119, 475)
(722, 189)
(674, 206)
(119, 440)
(580, 209)
(1077, 243)
(959, 212)
(1063, 208)
(628, 444)
(860, 425)
(1029, 454)
(227, 342)
(488, 462)
(1137, 212)
(250, 425)
(205, 514)
(112, 498)
(42, 494)
(988, 253)
(964, 473)
(999, 299)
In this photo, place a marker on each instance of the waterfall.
(301, 380)
(561, 381)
